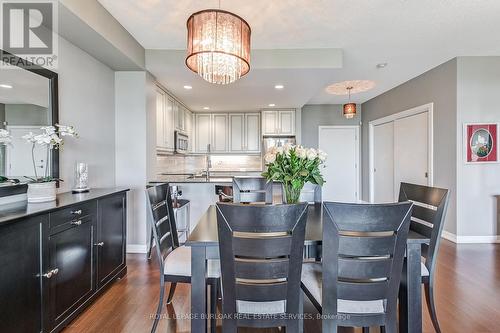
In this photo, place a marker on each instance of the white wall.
(477, 184)
(86, 100)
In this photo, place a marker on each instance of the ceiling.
(412, 36)
(27, 88)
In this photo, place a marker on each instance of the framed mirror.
(28, 102)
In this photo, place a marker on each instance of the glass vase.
(292, 195)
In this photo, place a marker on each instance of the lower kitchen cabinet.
(56, 261)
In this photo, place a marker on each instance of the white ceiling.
(27, 88)
(412, 36)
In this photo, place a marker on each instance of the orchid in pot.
(43, 187)
(294, 166)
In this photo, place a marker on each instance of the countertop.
(216, 178)
(21, 209)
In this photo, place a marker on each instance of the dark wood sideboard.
(56, 258)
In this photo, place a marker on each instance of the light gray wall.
(26, 114)
(438, 86)
(478, 184)
(86, 101)
(314, 115)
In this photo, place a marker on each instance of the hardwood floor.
(467, 295)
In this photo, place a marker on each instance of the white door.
(411, 142)
(203, 128)
(237, 132)
(341, 171)
(252, 132)
(383, 162)
(220, 133)
(269, 122)
(287, 122)
(18, 154)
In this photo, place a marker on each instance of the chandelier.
(218, 46)
(349, 108)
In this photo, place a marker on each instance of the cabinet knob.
(77, 222)
(101, 244)
(76, 212)
(51, 273)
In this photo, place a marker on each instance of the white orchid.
(66, 130)
(5, 137)
(312, 154)
(322, 155)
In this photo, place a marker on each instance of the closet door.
(383, 162)
(411, 158)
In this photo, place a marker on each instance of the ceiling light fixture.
(349, 108)
(279, 86)
(6, 86)
(218, 44)
(206, 108)
(358, 86)
(382, 65)
(272, 105)
(188, 87)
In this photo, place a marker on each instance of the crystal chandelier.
(218, 46)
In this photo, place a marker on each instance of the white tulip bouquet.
(51, 138)
(294, 166)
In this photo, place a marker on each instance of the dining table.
(204, 244)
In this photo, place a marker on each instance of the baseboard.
(470, 239)
(137, 248)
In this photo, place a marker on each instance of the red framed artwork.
(481, 143)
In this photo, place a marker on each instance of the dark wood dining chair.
(429, 211)
(261, 249)
(175, 260)
(357, 282)
(252, 190)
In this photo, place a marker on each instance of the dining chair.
(429, 211)
(252, 190)
(260, 249)
(357, 282)
(175, 260)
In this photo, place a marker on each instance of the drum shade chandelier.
(218, 46)
(349, 108)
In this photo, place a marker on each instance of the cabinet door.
(71, 259)
(20, 291)
(169, 123)
(237, 133)
(160, 120)
(287, 122)
(203, 132)
(220, 133)
(111, 226)
(270, 122)
(189, 129)
(252, 132)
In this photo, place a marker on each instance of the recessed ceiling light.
(206, 108)
(272, 104)
(279, 86)
(188, 87)
(6, 86)
(382, 65)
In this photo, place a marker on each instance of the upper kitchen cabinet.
(244, 133)
(220, 133)
(278, 122)
(164, 121)
(181, 115)
(203, 132)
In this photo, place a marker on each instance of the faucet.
(208, 163)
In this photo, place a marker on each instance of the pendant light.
(349, 108)
(218, 45)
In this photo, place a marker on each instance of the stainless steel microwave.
(181, 142)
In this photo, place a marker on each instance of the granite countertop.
(20, 209)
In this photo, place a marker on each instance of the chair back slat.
(252, 190)
(372, 268)
(429, 212)
(266, 269)
(363, 251)
(367, 246)
(161, 219)
(261, 248)
(366, 291)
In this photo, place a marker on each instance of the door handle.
(76, 212)
(51, 273)
(77, 222)
(101, 244)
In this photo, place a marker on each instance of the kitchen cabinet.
(203, 135)
(165, 107)
(244, 133)
(278, 122)
(181, 115)
(189, 130)
(56, 259)
(220, 133)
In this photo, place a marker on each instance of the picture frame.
(481, 143)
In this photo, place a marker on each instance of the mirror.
(28, 102)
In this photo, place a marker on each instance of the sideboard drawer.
(72, 213)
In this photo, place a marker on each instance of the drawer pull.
(76, 212)
(100, 244)
(77, 222)
(51, 273)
